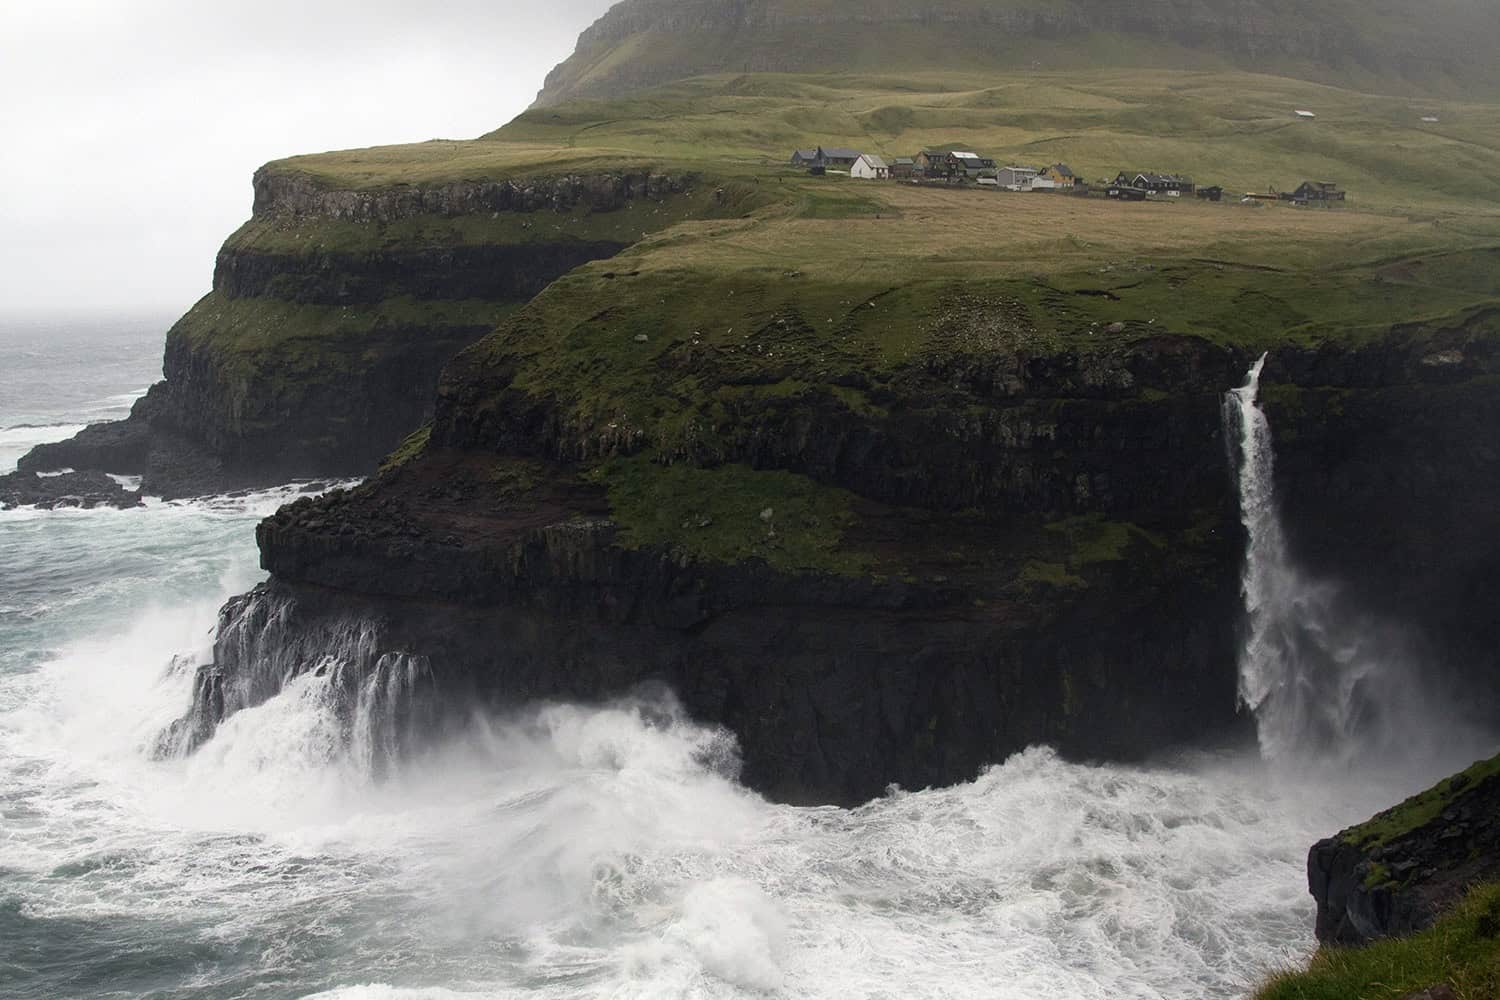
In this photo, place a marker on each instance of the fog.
(132, 127)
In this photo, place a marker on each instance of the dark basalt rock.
(512, 273)
(1401, 871)
(85, 490)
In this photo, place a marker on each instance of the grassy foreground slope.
(1462, 952)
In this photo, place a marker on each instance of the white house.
(1016, 178)
(870, 167)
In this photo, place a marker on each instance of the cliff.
(335, 307)
(1385, 45)
(1401, 871)
(889, 526)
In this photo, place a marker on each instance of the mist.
(133, 128)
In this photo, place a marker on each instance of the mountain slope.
(1445, 47)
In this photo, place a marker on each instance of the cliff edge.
(1399, 872)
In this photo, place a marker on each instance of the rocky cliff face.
(1402, 870)
(333, 312)
(1047, 550)
(642, 43)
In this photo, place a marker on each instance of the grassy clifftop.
(1234, 129)
(762, 296)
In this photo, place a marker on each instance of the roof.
(1304, 114)
(873, 160)
(837, 153)
(966, 156)
(806, 154)
(1063, 170)
(1151, 178)
(904, 161)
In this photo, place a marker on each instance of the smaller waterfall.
(380, 700)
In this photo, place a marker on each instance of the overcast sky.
(129, 129)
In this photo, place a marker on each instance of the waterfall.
(1325, 682)
(379, 700)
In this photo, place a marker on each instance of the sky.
(129, 129)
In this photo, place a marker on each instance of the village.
(955, 166)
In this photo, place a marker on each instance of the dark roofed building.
(1316, 191)
(1171, 185)
(835, 156)
(804, 157)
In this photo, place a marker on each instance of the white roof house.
(1017, 178)
(869, 167)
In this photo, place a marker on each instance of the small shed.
(1214, 193)
(903, 167)
(1305, 115)
(870, 167)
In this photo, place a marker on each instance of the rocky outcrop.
(85, 490)
(1327, 41)
(1401, 871)
(835, 685)
(282, 191)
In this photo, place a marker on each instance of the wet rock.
(85, 490)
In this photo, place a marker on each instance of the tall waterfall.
(1325, 682)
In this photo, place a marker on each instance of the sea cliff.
(334, 309)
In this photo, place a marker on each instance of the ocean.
(559, 851)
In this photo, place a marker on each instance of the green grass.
(292, 332)
(1225, 127)
(720, 515)
(408, 450)
(1421, 809)
(1461, 951)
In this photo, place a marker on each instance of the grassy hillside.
(1378, 45)
(1228, 128)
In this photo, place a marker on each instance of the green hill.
(1441, 48)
